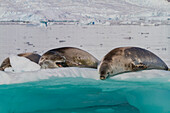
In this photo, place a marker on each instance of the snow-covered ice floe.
(24, 70)
(21, 64)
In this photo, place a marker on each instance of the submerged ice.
(75, 89)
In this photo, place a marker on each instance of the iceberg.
(76, 89)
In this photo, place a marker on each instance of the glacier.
(110, 12)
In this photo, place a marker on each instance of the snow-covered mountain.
(87, 11)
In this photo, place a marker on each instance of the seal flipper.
(138, 67)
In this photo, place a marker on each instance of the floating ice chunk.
(21, 64)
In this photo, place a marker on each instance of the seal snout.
(43, 66)
(103, 71)
(102, 77)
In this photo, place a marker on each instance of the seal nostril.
(102, 77)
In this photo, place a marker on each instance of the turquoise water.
(85, 95)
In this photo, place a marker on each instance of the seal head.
(52, 59)
(104, 71)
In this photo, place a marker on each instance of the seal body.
(126, 59)
(31, 56)
(67, 57)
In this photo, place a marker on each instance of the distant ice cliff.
(87, 11)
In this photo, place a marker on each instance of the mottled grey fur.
(126, 59)
(67, 57)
